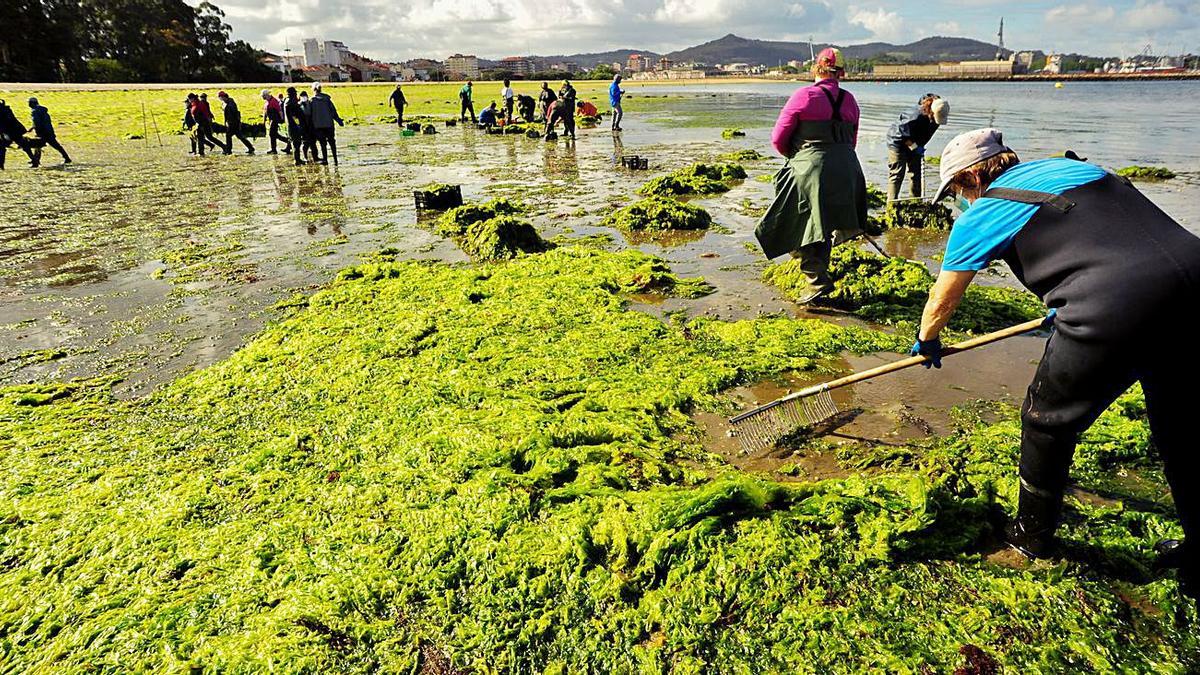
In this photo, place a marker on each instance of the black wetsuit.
(1124, 278)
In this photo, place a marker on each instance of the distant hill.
(734, 49)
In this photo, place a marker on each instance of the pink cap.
(831, 57)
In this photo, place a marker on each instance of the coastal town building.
(637, 63)
(517, 65)
(465, 67)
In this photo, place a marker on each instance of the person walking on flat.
(466, 104)
(273, 116)
(44, 128)
(906, 143)
(233, 124)
(397, 101)
(1118, 274)
(615, 93)
(12, 132)
(324, 114)
(821, 193)
(293, 113)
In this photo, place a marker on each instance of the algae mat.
(492, 469)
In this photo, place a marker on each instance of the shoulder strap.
(836, 105)
(1030, 197)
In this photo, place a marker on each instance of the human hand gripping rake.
(764, 426)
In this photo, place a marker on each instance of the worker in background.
(820, 194)
(233, 124)
(545, 98)
(488, 118)
(553, 117)
(1115, 272)
(566, 98)
(12, 132)
(294, 114)
(202, 114)
(526, 107)
(324, 114)
(273, 116)
(398, 102)
(586, 109)
(189, 124)
(507, 95)
(615, 94)
(466, 103)
(44, 128)
(310, 137)
(907, 138)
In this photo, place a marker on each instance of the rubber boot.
(1032, 533)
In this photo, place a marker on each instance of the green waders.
(820, 197)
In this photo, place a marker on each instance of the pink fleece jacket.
(811, 105)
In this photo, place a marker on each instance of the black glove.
(928, 348)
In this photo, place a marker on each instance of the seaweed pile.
(893, 290)
(913, 214)
(1150, 173)
(744, 155)
(658, 214)
(729, 134)
(697, 179)
(488, 468)
(491, 230)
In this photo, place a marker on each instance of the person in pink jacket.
(821, 194)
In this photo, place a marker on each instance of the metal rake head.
(760, 429)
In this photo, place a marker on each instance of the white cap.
(965, 151)
(316, 86)
(941, 110)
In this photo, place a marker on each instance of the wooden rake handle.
(965, 345)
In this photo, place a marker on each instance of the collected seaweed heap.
(435, 468)
(912, 214)
(744, 155)
(730, 134)
(1148, 173)
(697, 179)
(894, 290)
(658, 214)
(491, 230)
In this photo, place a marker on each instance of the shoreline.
(152, 86)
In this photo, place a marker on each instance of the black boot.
(1032, 533)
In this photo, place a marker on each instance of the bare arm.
(944, 297)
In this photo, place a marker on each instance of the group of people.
(1111, 267)
(13, 132)
(309, 122)
(550, 107)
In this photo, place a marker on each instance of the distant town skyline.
(405, 29)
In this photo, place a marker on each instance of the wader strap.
(836, 105)
(1030, 197)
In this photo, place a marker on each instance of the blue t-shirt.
(984, 231)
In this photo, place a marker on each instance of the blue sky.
(399, 29)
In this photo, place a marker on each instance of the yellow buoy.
(1058, 85)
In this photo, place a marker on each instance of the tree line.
(123, 41)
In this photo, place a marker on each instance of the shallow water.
(145, 262)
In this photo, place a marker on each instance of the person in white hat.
(1114, 271)
(907, 138)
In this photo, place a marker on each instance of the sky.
(392, 30)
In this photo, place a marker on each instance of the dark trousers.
(618, 114)
(552, 120)
(274, 134)
(400, 116)
(328, 142)
(467, 107)
(901, 161)
(814, 263)
(296, 136)
(568, 116)
(21, 143)
(204, 132)
(52, 141)
(508, 108)
(1078, 379)
(235, 131)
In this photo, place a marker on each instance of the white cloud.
(949, 28)
(1065, 17)
(880, 23)
(1160, 15)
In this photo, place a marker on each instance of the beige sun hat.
(966, 150)
(941, 111)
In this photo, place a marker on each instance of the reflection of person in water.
(618, 149)
(561, 162)
(322, 201)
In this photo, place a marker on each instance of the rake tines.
(761, 428)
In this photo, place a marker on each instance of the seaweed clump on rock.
(697, 179)
(658, 214)
(893, 290)
(745, 155)
(491, 230)
(913, 215)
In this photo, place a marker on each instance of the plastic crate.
(635, 162)
(438, 202)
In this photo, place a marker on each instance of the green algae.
(915, 215)
(744, 155)
(697, 179)
(657, 214)
(893, 290)
(482, 468)
(456, 221)
(876, 198)
(730, 134)
(1150, 173)
(501, 238)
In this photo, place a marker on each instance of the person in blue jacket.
(1117, 273)
(615, 92)
(44, 128)
(906, 140)
(488, 117)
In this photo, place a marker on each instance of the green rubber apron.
(820, 189)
